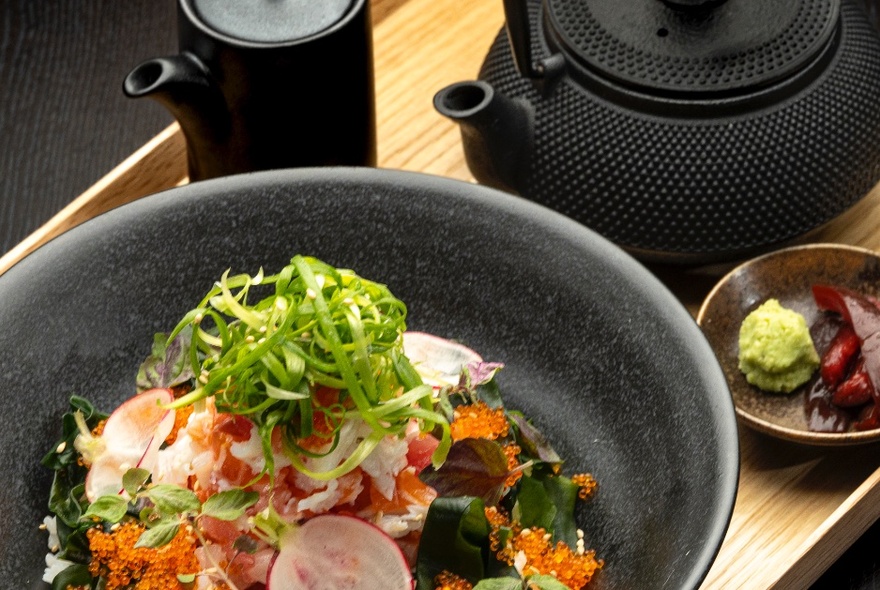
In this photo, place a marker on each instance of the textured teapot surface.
(676, 145)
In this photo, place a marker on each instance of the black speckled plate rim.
(503, 219)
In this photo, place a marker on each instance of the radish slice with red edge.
(333, 552)
(132, 436)
(437, 360)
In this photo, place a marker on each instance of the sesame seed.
(60, 448)
(310, 293)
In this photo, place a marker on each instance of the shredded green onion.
(318, 327)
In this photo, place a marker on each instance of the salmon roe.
(115, 558)
(449, 581)
(586, 483)
(478, 421)
(574, 568)
(512, 451)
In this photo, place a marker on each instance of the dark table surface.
(64, 123)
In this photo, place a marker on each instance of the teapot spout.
(183, 85)
(496, 132)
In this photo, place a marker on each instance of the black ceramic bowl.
(597, 352)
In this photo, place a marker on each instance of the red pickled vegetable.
(838, 359)
(861, 313)
(856, 390)
(869, 418)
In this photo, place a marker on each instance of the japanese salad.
(289, 433)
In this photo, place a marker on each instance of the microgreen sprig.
(167, 507)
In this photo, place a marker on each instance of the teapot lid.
(270, 21)
(714, 47)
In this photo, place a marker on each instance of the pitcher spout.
(183, 85)
(496, 132)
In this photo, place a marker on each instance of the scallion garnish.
(318, 326)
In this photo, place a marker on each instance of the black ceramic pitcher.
(268, 84)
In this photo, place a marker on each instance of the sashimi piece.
(437, 360)
(334, 551)
(132, 436)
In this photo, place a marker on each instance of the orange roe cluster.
(449, 581)
(586, 484)
(574, 568)
(478, 421)
(115, 558)
(512, 451)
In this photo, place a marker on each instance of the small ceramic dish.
(786, 275)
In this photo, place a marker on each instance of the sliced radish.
(438, 361)
(335, 552)
(132, 436)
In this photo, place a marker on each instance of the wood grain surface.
(798, 508)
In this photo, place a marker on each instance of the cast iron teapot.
(683, 130)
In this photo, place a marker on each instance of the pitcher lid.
(271, 21)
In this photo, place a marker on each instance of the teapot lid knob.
(693, 48)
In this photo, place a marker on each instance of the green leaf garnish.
(533, 506)
(171, 499)
(545, 582)
(134, 479)
(499, 584)
(230, 504)
(161, 534)
(73, 576)
(109, 508)
(455, 537)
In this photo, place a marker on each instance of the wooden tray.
(798, 508)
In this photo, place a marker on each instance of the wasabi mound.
(776, 352)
